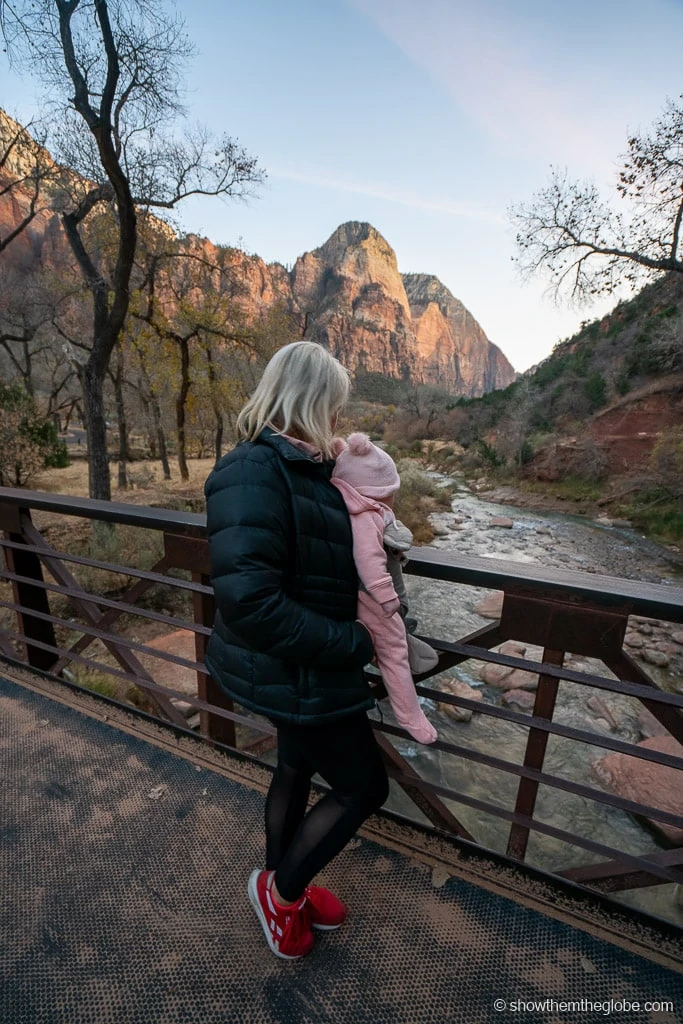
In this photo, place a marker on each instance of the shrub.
(595, 390)
(666, 459)
(28, 442)
(490, 455)
(418, 497)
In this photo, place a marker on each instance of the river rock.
(513, 649)
(521, 680)
(633, 640)
(494, 675)
(440, 530)
(501, 521)
(677, 637)
(520, 698)
(654, 657)
(491, 606)
(645, 628)
(508, 678)
(598, 705)
(647, 783)
(459, 689)
(650, 726)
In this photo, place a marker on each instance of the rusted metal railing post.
(27, 563)
(193, 554)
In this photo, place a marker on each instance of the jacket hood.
(355, 501)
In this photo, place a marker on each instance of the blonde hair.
(301, 390)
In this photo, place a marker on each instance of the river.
(447, 611)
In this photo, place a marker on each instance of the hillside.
(618, 383)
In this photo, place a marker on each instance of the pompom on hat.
(367, 468)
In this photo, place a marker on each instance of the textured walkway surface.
(123, 869)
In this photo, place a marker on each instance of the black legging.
(346, 755)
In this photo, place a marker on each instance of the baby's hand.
(391, 607)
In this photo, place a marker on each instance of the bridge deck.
(124, 855)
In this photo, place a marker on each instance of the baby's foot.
(423, 733)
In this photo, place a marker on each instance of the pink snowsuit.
(385, 625)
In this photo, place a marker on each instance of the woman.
(286, 642)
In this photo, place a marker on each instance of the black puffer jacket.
(286, 642)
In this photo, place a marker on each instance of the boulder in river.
(506, 678)
(501, 521)
(519, 698)
(459, 689)
(647, 783)
(491, 606)
(655, 657)
(597, 705)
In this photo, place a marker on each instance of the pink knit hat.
(367, 468)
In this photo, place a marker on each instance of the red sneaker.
(287, 929)
(324, 909)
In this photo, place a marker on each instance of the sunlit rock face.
(453, 348)
(375, 319)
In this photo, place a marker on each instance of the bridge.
(130, 824)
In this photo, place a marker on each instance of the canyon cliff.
(348, 294)
(377, 320)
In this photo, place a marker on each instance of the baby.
(368, 480)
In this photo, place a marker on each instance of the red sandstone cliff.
(378, 320)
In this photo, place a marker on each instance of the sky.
(429, 120)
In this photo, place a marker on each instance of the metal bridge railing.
(560, 610)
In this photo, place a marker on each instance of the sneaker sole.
(256, 904)
(326, 927)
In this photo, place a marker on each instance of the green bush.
(623, 384)
(490, 455)
(595, 390)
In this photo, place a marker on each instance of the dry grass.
(147, 481)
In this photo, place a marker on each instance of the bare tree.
(586, 246)
(117, 66)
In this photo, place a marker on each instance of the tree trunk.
(161, 438)
(121, 419)
(96, 430)
(219, 434)
(181, 402)
(218, 443)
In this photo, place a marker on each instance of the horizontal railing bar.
(557, 782)
(553, 728)
(493, 762)
(560, 672)
(154, 577)
(260, 725)
(654, 600)
(477, 653)
(538, 826)
(107, 602)
(650, 599)
(99, 634)
(185, 523)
